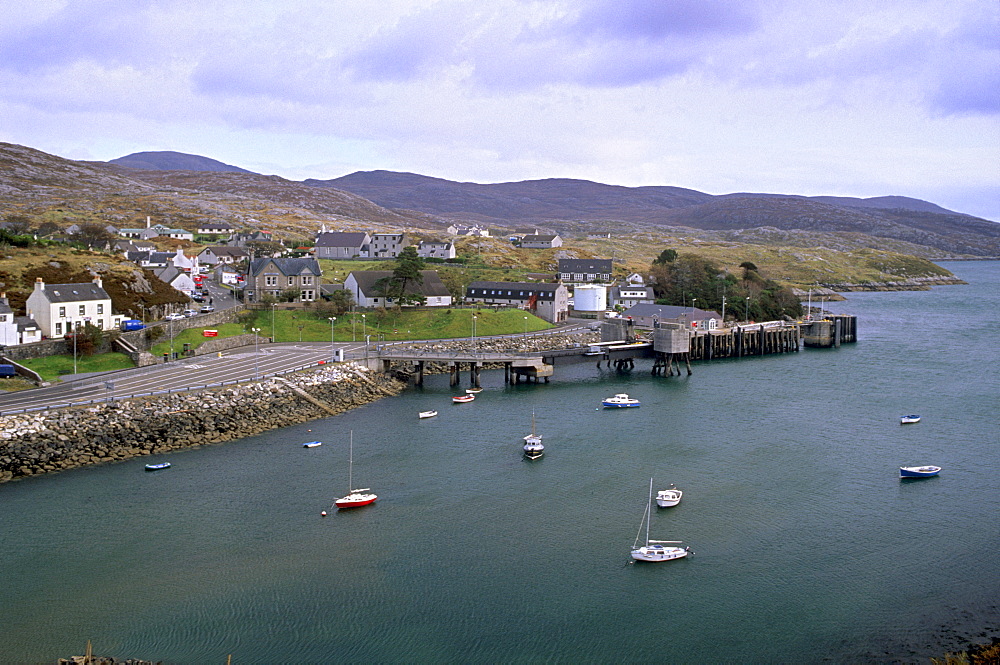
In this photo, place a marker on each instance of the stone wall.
(48, 441)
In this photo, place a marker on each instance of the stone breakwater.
(47, 441)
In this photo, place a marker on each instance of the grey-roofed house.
(27, 330)
(436, 249)
(541, 242)
(269, 276)
(340, 244)
(629, 295)
(222, 254)
(386, 245)
(689, 317)
(58, 308)
(362, 285)
(8, 325)
(584, 270)
(176, 278)
(216, 228)
(547, 300)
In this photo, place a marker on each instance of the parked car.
(197, 297)
(173, 317)
(190, 312)
(206, 309)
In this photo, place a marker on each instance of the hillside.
(173, 161)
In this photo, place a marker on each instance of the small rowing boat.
(312, 444)
(427, 414)
(157, 467)
(462, 399)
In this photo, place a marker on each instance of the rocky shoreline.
(48, 441)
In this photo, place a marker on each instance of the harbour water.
(808, 547)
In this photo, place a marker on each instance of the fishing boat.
(533, 448)
(157, 467)
(918, 471)
(427, 414)
(473, 391)
(312, 444)
(462, 399)
(621, 401)
(355, 497)
(669, 497)
(656, 550)
(906, 420)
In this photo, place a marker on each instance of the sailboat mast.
(649, 510)
(350, 468)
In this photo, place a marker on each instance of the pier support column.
(419, 380)
(453, 371)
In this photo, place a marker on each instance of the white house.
(340, 244)
(185, 263)
(8, 325)
(433, 249)
(216, 228)
(221, 254)
(386, 245)
(541, 242)
(468, 230)
(59, 308)
(362, 286)
(177, 279)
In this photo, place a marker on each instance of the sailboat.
(657, 551)
(533, 448)
(355, 497)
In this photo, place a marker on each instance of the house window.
(307, 280)
(291, 281)
(270, 280)
(100, 308)
(62, 312)
(58, 329)
(83, 310)
(307, 295)
(3, 318)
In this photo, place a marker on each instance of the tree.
(748, 267)
(47, 229)
(666, 256)
(93, 235)
(17, 224)
(408, 267)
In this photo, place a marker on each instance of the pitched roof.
(431, 286)
(541, 290)
(225, 250)
(74, 292)
(538, 238)
(592, 266)
(340, 239)
(669, 312)
(287, 267)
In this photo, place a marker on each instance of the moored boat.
(621, 400)
(473, 391)
(656, 550)
(919, 471)
(906, 420)
(427, 414)
(669, 497)
(312, 444)
(462, 399)
(355, 497)
(157, 467)
(533, 448)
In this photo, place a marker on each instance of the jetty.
(669, 345)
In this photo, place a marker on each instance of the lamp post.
(273, 337)
(256, 352)
(367, 337)
(474, 317)
(333, 351)
(748, 310)
(171, 334)
(526, 327)
(354, 320)
(723, 311)
(364, 325)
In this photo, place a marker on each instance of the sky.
(843, 97)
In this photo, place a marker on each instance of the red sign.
(210, 333)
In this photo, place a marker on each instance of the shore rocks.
(36, 443)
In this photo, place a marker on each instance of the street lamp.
(364, 325)
(333, 351)
(525, 327)
(723, 311)
(256, 352)
(748, 310)
(273, 337)
(474, 317)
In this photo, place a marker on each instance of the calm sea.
(808, 546)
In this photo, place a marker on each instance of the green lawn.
(302, 325)
(194, 337)
(51, 368)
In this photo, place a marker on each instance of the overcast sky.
(851, 98)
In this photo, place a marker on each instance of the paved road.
(241, 364)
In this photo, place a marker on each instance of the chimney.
(39, 284)
(99, 282)
(147, 221)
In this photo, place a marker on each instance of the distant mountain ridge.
(167, 160)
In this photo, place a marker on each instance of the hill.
(173, 161)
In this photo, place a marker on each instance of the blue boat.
(909, 420)
(918, 471)
(620, 401)
(157, 467)
(312, 444)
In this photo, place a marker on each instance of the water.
(808, 546)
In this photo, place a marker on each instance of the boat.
(533, 448)
(473, 391)
(461, 399)
(656, 550)
(918, 471)
(906, 420)
(157, 467)
(312, 444)
(355, 497)
(427, 414)
(669, 497)
(621, 400)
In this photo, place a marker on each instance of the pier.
(670, 346)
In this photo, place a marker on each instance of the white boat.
(656, 550)
(355, 497)
(473, 391)
(427, 414)
(621, 400)
(919, 471)
(158, 467)
(533, 448)
(462, 399)
(669, 497)
(312, 444)
(906, 420)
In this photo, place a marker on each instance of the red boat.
(461, 399)
(355, 497)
